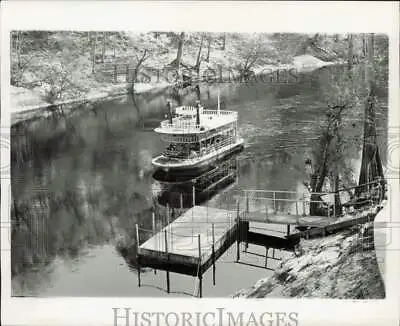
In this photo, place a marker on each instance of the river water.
(80, 205)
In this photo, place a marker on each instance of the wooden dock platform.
(190, 243)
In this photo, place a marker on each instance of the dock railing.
(279, 201)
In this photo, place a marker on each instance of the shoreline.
(342, 266)
(31, 104)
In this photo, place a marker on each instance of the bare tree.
(198, 60)
(371, 165)
(209, 39)
(350, 52)
(181, 40)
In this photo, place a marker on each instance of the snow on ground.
(343, 265)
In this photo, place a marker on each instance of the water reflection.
(187, 190)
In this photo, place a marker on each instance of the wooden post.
(266, 212)
(200, 276)
(200, 286)
(194, 195)
(274, 201)
(288, 229)
(304, 205)
(266, 257)
(166, 250)
(153, 216)
(181, 200)
(115, 73)
(297, 208)
(137, 253)
(168, 220)
(329, 208)
(247, 202)
(273, 252)
(213, 252)
(334, 208)
(127, 73)
(238, 244)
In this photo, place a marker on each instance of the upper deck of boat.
(185, 121)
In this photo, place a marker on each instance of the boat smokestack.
(169, 112)
(197, 113)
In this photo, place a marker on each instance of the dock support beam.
(200, 286)
(199, 268)
(288, 230)
(213, 253)
(137, 254)
(166, 250)
(238, 246)
(181, 200)
(266, 257)
(153, 217)
(194, 195)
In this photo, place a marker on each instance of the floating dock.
(190, 243)
(193, 242)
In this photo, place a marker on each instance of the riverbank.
(341, 266)
(28, 104)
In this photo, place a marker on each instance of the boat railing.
(180, 124)
(220, 112)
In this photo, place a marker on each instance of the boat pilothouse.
(197, 137)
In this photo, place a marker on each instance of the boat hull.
(197, 166)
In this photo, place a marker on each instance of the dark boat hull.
(201, 166)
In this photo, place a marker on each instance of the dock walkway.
(190, 240)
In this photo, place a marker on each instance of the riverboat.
(196, 138)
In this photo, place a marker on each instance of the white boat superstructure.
(196, 137)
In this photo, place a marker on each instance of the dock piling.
(274, 201)
(213, 253)
(194, 195)
(199, 272)
(181, 200)
(153, 217)
(137, 253)
(266, 257)
(288, 230)
(238, 246)
(304, 205)
(166, 251)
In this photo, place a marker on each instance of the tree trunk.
(198, 60)
(370, 153)
(103, 48)
(350, 52)
(180, 51)
(94, 40)
(208, 49)
(114, 45)
(224, 42)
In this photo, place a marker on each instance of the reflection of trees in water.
(88, 206)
